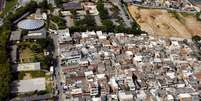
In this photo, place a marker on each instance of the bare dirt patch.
(162, 23)
(27, 76)
(193, 25)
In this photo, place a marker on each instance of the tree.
(108, 25)
(136, 29)
(24, 32)
(59, 21)
(73, 12)
(102, 11)
(5, 78)
(31, 7)
(88, 23)
(196, 38)
(89, 20)
(58, 3)
(120, 29)
(5, 75)
(44, 5)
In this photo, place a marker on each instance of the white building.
(64, 36)
(27, 67)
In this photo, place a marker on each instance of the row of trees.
(5, 70)
(5, 73)
(12, 16)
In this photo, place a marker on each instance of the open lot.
(162, 23)
(26, 55)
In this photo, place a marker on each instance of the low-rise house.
(64, 36)
(185, 97)
(125, 97)
(91, 8)
(70, 57)
(66, 13)
(72, 6)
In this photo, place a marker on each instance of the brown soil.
(163, 24)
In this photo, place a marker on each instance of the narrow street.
(57, 69)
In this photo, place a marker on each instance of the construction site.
(163, 23)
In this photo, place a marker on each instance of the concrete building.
(64, 36)
(27, 67)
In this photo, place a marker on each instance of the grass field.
(26, 55)
(32, 74)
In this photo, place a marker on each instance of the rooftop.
(72, 6)
(15, 36)
(30, 24)
(31, 85)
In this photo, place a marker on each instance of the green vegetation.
(59, 21)
(102, 10)
(59, 2)
(5, 74)
(175, 14)
(52, 25)
(9, 5)
(198, 15)
(108, 25)
(45, 6)
(26, 55)
(12, 16)
(33, 74)
(196, 38)
(49, 85)
(33, 51)
(188, 14)
(88, 21)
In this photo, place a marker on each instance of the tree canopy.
(5, 76)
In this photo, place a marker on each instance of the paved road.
(98, 20)
(123, 14)
(57, 77)
(69, 21)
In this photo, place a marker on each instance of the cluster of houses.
(120, 67)
(178, 5)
